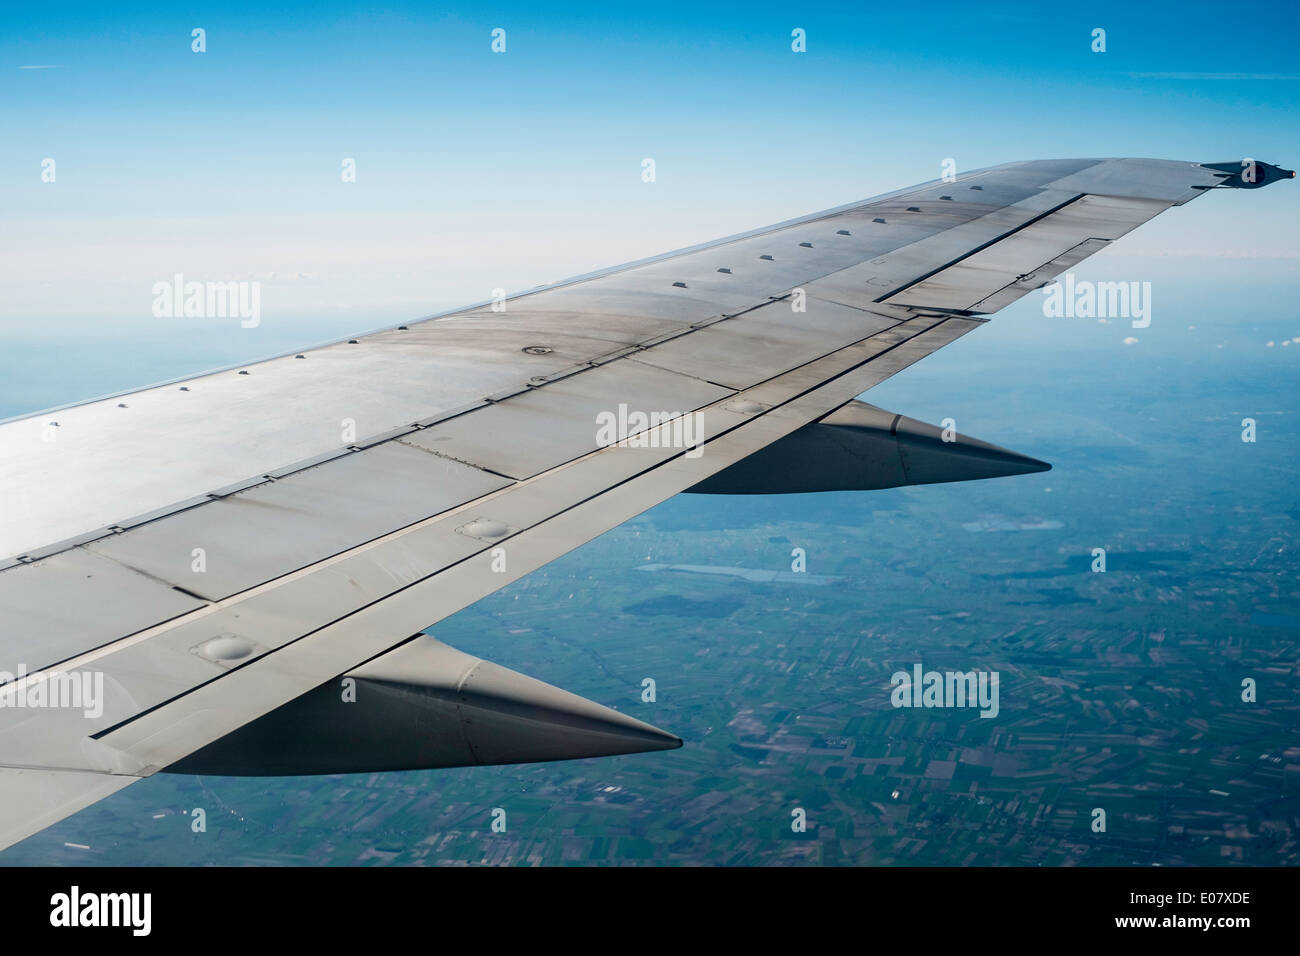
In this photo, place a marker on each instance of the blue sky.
(478, 170)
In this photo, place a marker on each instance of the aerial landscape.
(1120, 690)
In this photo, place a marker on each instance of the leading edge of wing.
(560, 283)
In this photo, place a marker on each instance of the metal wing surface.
(226, 553)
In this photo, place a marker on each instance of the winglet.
(1250, 173)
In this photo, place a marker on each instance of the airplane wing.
(223, 574)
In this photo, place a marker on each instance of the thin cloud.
(43, 66)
